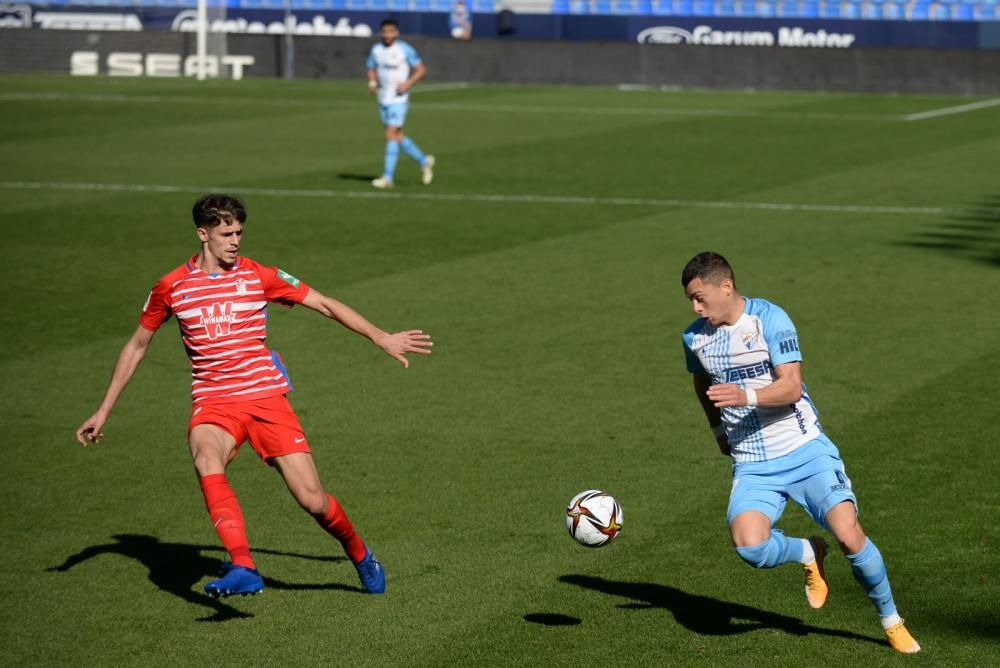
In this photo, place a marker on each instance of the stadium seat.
(483, 6)
(421, 5)
(663, 7)
(850, 10)
(765, 9)
(986, 12)
(830, 9)
(442, 5)
(920, 11)
(579, 7)
(622, 7)
(871, 10)
(726, 8)
(560, 6)
(684, 8)
(788, 8)
(601, 7)
(643, 7)
(809, 9)
(399, 5)
(894, 9)
(704, 8)
(965, 12)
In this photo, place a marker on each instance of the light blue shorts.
(813, 476)
(394, 114)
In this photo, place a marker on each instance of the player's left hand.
(403, 88)
(727, 395)
(410, 341)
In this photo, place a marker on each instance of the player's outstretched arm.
(702, 383)
(128, 361)
(786, 389)
(395, 345)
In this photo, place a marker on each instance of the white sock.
(891, 620)
(808, 554)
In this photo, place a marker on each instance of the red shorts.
(270, 425)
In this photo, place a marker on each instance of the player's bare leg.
(869, 570)
(300, 475)
(762, 546)
(212, 448)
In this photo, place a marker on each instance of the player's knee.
(755, 555)
(313, 501)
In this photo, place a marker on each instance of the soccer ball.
(593, 518)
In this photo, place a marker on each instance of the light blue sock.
(869, 570)
(411, 149)
(774, 551)
(391, 157)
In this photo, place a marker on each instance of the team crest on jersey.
(749, 339)
(241, 287)
(217, 319)
(288, 278)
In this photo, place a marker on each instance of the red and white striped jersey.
(223, 323)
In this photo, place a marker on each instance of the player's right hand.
(90, 430)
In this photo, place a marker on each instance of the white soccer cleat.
(428, 170)
(382, 182)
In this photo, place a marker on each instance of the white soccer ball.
(593, 518)
(458, 32)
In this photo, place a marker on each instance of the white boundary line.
(950, 111)
(450, 106)
(504, 108)
(472, 197)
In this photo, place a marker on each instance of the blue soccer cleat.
(235, 580)
(371, 573)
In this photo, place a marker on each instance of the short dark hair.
(215, 209)
(389, 22)
(709, 267)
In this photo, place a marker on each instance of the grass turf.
(557, 368)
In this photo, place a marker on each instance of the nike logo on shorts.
(299, 440)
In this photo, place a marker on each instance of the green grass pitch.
(545, 261)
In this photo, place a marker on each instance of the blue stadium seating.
(918, 10)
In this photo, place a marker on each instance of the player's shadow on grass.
(972, 233)
(701, 614)
(177, 567)
(348, 176)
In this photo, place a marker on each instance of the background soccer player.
(220, 301)
(393, 68)
(744, 354)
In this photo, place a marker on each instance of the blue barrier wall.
(702, 30)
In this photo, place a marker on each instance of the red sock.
(227, 517)
(337, 525)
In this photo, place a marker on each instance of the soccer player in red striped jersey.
(239, 387)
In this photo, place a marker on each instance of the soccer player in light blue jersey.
(393, 68)
(745, 358)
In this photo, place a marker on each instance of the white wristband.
(372, 83)
(751, 398)
(719, 429)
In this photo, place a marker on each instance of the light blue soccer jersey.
(746, 353)
(392, 66)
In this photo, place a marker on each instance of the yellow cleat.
(901, 640)
(816, 587)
